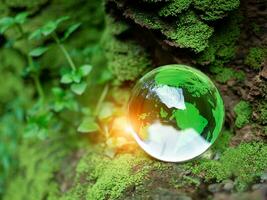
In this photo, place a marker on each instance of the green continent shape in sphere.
(186, 113)
(190, 118)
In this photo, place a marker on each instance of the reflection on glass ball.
(176, 113)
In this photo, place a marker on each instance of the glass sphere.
(176, 113)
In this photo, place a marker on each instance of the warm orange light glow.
(120, 136)
(122, 128)
(129, 129)
(120, 124)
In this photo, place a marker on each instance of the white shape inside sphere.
(172, 97)
(169, 144)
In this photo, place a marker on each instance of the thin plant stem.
(35, 77)
(101, 99)
(36, 80)
(38, 87)
(64, 51)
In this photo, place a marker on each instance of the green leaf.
(62, 19)
(37, 34)
(34, 68)
(76, 76)
(78, 88)
(85, 70)
(106, 111)
(38, 51)
(21, 17)
(58, 106)
(88, 125)
(66, 78)
(71, 76)
(58, 92)
(49, 28)
(6, 23)
(70, 30)
(63, 100)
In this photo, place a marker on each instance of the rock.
(217, 156)
(257, 186)
(214, 187)
(228, 186)
(263, 72)
(165, 194)
(264, 177)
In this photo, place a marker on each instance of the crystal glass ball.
(176, 113)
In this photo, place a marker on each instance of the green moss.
(146, 19)
(13, 88)
(186, 32)
(9, 142)
(185, 181)
(262, 111)
(243, 111)
(126, 60)
(175, 7)
(99, 177)
(213, 10)
(181, 21)
(222, 143)
(256, 57)
(256, 28)
(222, 45)
(227, 74)
(14, 99)
(112, 181)
(116, 27)
(190, 32)
(239, 163)
(38, 164)
(224, 74)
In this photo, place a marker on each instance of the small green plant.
(243, 111)
(41, 116)
(256, 57)
(9, 22)
(75, 76)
